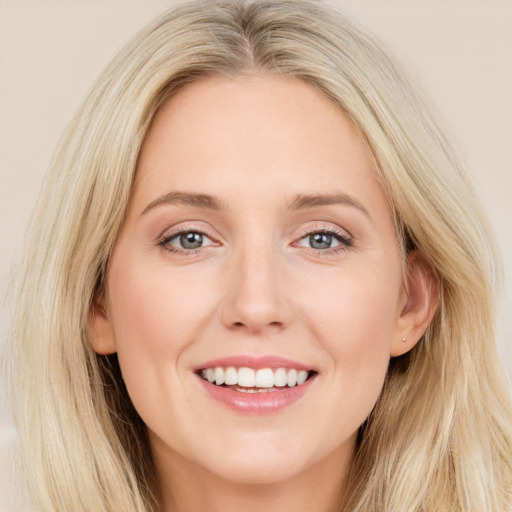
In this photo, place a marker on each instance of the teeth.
(280, 377)
(231, 376)
(219, 376)
(246, 377)
(291, 378)
(301, 377)
(265, 378)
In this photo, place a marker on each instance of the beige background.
(51, 51)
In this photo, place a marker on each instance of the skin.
(257, 286)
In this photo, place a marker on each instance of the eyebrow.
(204, 201)
(303, 201)
(299, 202)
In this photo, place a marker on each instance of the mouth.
(256, 385)
(250, 380)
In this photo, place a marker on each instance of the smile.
(253, 385)
(249, 380)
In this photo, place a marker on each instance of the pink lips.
(256, 403)
(254, 362)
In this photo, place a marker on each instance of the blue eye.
(185, 241)
(325, 240)
(322, 241)
(190, 240)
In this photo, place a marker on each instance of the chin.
(258, 457)
(256, 472)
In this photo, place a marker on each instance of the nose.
(256, 301)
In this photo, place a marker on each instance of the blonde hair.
(440, 435)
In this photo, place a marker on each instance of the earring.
(404, 339)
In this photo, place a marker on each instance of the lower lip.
(257, 403)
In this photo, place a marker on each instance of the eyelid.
(323, 227)
(188, 227)
(345, 238)
(176, 236)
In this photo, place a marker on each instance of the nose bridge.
(256, 299)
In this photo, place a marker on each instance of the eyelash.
(346, 241)
(166, 239)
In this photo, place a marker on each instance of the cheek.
(155, 318)
(355, 310)
(356, 327)
(154, 310)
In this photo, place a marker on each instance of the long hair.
(439, 437)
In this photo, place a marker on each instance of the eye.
(324, 240)
(184, 241)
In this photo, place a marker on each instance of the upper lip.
(254, 362)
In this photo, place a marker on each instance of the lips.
(255, 385)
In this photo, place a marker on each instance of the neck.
(186, 487)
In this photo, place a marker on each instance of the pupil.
(191, 240)
(320, 241)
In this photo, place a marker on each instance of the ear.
(99, 328)
(421, 299)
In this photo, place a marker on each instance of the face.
(257, 239)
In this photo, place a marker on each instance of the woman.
(258, 277)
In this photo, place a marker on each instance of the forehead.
(251, 134)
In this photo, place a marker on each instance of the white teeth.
(291, 378)
(301, 377)
(210, 374)
(246, 377)
(266, 379)
(280, 377)
(219, 376)
(230, 376)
